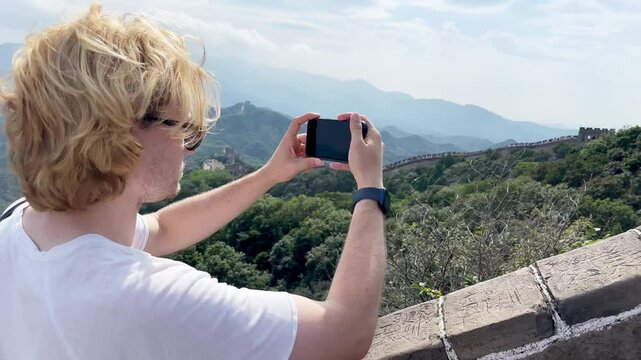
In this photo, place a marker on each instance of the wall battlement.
(583, 304)
(585, 134)
(426, 159)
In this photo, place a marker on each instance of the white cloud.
(216, 32)
(531, 48)
(48, 7)
(295, 24)
(380, 10)
(383, 9)
(587, 18)
(555, 61)
(301, 48)
(463, 6)
(572, 6)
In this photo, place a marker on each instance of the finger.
(356, 128)
(339, 166)
(302, 138)
(310, 163)
(371, 129)
(344, 116)
(300, 152)
(299, 121)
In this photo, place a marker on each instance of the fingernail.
(318, 162)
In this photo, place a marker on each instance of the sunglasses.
(194, 138)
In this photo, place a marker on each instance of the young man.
(99, 118)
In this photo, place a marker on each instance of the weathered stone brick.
(619, 341)
(599, 280)
(410, 333)
(496, 315)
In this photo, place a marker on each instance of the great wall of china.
(582, 304)
(585, 134)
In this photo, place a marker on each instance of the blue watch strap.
(380, 195)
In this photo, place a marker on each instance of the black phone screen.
(330, 139)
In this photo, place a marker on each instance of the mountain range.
(409, 126)
(294, 92)
(254, 133)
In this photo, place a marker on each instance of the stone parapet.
(596, 281)
(414, 331)
(584, 304)
(497, 314)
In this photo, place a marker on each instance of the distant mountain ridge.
(467, 143)
(255, 132)
(291, 92)
(295, 92)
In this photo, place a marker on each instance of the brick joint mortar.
(560, 327)
(449, 350)
(593, 325)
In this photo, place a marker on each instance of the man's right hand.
(365, 155)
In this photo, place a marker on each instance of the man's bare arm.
(189, 221)
(342, 326)
(186, 222)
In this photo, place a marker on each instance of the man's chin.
(173, 194)
(163, 196)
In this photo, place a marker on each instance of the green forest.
(454, 224)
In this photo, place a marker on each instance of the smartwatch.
(380, 195)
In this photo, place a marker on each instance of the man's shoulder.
(133, 277)
(12, 207)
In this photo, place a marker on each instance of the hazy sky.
(566, 62)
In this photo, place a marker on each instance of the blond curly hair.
(76, 90)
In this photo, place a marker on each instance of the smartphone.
(329, 139)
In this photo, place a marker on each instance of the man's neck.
(113, 219)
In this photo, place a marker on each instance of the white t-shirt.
(92, 298)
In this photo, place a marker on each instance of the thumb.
(311, 163)
(356, 128)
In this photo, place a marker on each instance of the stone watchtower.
(230, 158)
(587, 134)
